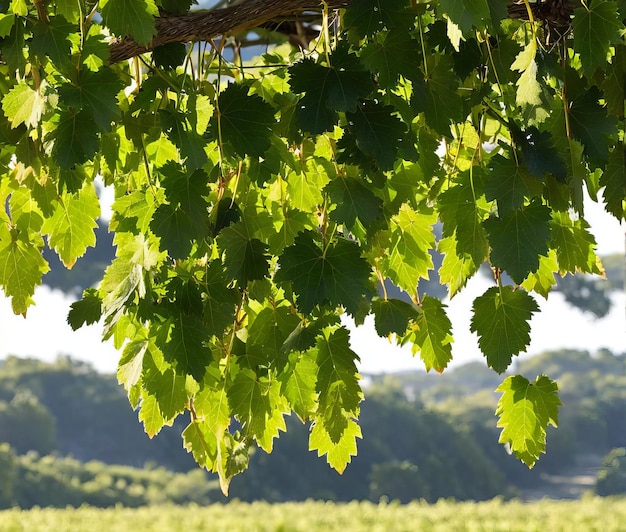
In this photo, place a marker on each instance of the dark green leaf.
(85, 311)
(500, 318)
(245, 121)
(338, 276)
(596, 27)
(367, 17)
(130, 18)
(353, 200)
(518, 239)
(245, 257)
(392, 316)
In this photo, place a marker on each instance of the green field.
(592, 513)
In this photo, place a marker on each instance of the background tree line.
(58, 419)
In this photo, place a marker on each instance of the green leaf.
(175, 229)
(614, 84)
(338, 454)
(411, 240)
(95, 93)
(518, 239)
(85, 311)
(597, 26)
(528, 88)
(169, 390)
(462, 209)
(500, 318)
(392, 316)
(200, 442)
(543, 279)
(432, 335)
(590, 124)
(614, 181)
(23, 105)
(245, 257)
(245, 121)
(52, 39)
(574, 244)
(337, 276)
(150, 414)
(6, 24)
(130, 18)
(353, 200)
(539, 152)
(299, 384)
(75, 139)
(327, 90)
(438, 98)
(21, 269)
(186, 346)
(525, 410)
(183, 134)
(378, 133)
(131, 363)
(467, 14)
(391, 55)
(509, 184)
(71, 227)
(367, 17)
(339, 393)
(455, 269)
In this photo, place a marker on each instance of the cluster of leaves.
(255, 205)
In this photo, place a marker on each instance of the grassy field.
(588, 514)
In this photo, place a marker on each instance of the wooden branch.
(206, 25)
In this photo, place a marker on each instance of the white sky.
(45, 334)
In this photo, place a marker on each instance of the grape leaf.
(200, 442)
(392, 316)
(353, 200)
(169, 390)
(432, 336)
(391, 55)
(462, 209)
(367, 17)
(543, 279)
(185, 346)
(23, 105)
(574, 244)
(243, 120)
(378, 133)
(299, 384)
(245, 257)
(500, 318)
(21, 269)
(518, 239)
(327, 90)
(591, 125)
(52, 39)
(409, 258)
(596, 27)
(150, 414)
(338, 276)
(339, 454)
(509, 184)
(339, 393)
(525, 410)
(75, 138)
(467, 14)
(130, 18)
(71, 226)
(455, 270)
(614, 181)
(86, 311)
(95, 93)
(528, 88)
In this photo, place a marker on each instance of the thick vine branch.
(206, 25)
